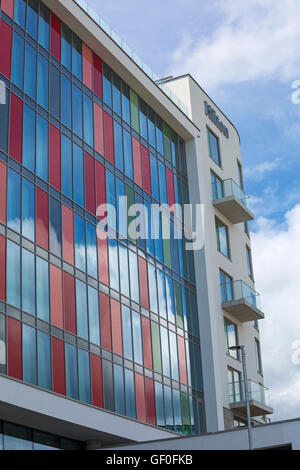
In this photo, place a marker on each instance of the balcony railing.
(229, 188)
(239, 290)
(256, 391)
(130, 52)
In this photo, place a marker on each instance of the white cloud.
(276, 262)
(257, 39)
(257, 172)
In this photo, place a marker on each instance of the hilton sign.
(211, 113)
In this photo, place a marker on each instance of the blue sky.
(246, 56)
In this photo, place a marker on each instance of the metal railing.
(256, 391)
(238, 290)
(130, 52)
(228, 188)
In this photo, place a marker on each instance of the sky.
(246, 56)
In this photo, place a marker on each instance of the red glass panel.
(182, 360)
(69, 303)
(90, 183)
(137, 162)
(97, 390)
(14, 348)
(55, 156)
(8, 7)
(170, 187)
(147, 346)
(146, 169)
(116, 327)
(98, 129)
(87, 66)
(105, 322)
(5, 49)
(42, 218)
(16, 127)
(143, 275)
(140, 398)
(2, 268)
(97, 76)
(55, 46)
(103, 256)
(58, 366)
(150, 401)
(67, 234)
(100, 186)
(3, 189)
(109, 138)
(56, 296)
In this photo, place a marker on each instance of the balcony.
(258, 398)
(231, 201)
(242, 301)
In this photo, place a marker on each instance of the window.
(235, 386)
(44, 360)
(66, 46)
(81, 310)
(28, 210)
(13, 275)
(258, 356)
(28, 282)
(94, 324)
(55, 227)
(29, 124)
(44, 26)
(226, 287)
(126, 103)
(17, 76)
(78, 175)
(118, 145)
(249, 262)
(66, 166)
(66, 94)
(91, 250)
(29, 354)
(217, 187)
(77, 111)
(119, 389)
(137, 338)
(77, 57)
(42, 289)
(116, 94)
(130, 394)
(71, 371)
(222, 238)
(107, 92)
(43, 81)
(84, 376)
(88, 120)
(30, 71)
(213, 147)
(127, 333)
(42, 147)
(231, 338)
(55, 92)
(241, 178)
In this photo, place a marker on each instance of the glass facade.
(75, 287)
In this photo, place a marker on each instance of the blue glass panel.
(143, 119)
(30, 71)
(71, 371)
(14, 200)
(130, 394)
(168, 407)
(29, 354)
(17, 71)
(79, 229)
(111, 199)
(77, 57)
(119, 390)
(121, 208)
(28, 282)
(78, 175)
(150, 227)
(126, 103)
(55, 92)
(174, 248)
(44, 26)
(42, 289)
(32, 18)
(116, 94)
(113, 264)
(177, 410)
(174, 355)
(66, 166)
(151, 128)
(184, 307)
(20, 13)
(91, 240)
(42, 148)
(170, 299)
(55, 227)
(162, 183)
(124, 277)
(159, 404)
(141, 225)
(43, 82)
(77, 111)
(29, 123)
(118, 146)
(107, 93)
(66, 46)
(127, 141)
(159, 136)
(134, 277)
(158, 235)
(81, 310)
(88, 121)
(162, 302)
(94, 324)
(84, 376)
(13, 275)
(66, 108)
(165, 351)
(152, 288)
(137, 338)
(127, 333)
(44, 361)
(28, 210)
(154, 177)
